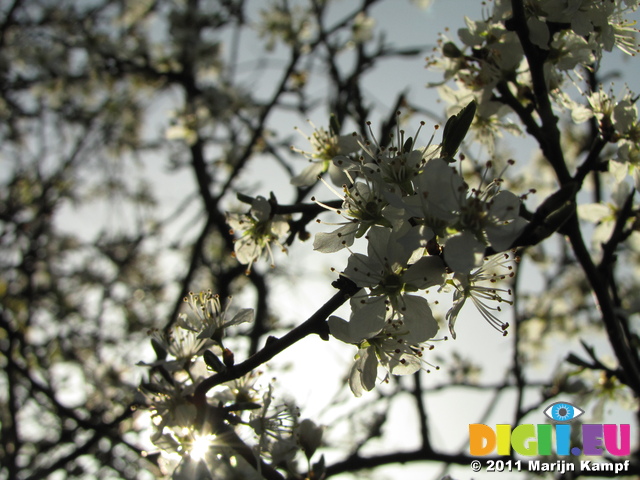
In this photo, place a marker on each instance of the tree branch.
(316, 324)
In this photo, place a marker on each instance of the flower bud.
(228, 357)
(309, 437)
(450, 50)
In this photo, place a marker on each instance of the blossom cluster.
(489, 56)
(186, 355)
(425, 228)
(494, 61)
(617, 121)
(258, 229)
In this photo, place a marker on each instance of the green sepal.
(213, 362)
(319, 468)
(456, 129)
(451, 50)
(161, 353)
(334, 124)
(408, 145)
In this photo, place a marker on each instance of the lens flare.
(200, 446)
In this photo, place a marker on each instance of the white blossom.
(275, 427)
(394, 264)
(482, 216)
(362, 28)
(258, 230)
(363, 206)
(605, 214)
(211, 319)
(395, 346)
(480, 286)
(325, 145)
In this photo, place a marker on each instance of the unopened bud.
(227, 357)
(309, 437)
(450, 50)
(213, 362)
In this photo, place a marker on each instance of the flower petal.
(501, 237)
(364, 271)
(368, 317)
(426, 272)
(243, 316)
(404, 363)
(336, 240)
(463, 252)
(308, 176)
(339, 328)
(504, 206)
(418, 319)
(364, 372)
(369, 370)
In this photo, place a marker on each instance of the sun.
(200, 446)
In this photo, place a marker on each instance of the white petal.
(369, 367)
(364, 372)
(625, 115)
(378, 238)
(620, 193)
(348, 144)
(243, 316)
(260, 209)
(403, 242)
(395, 216)
(636, 178)
(279, 226)
(337, 175)
(504, 206)
(247, 250)
(405, 363)
(452, 314)
(368, 317)
(355, 380)
(618, 169)
(580, 113)
(442, 185)
(593, 212)
(339, 328)
(501, 237)
(336, 240)
(237, 222)
(364, 271)
(309, 175)
(538, 32)
(463, 252)
(418, 319)
(426, 272)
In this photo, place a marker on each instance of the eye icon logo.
(563, 412)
